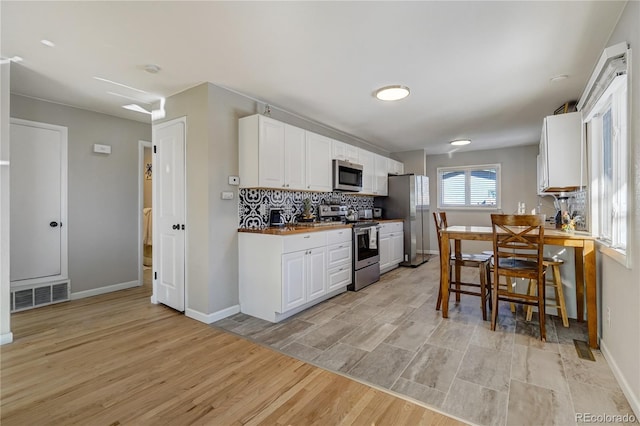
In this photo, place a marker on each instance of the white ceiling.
(478, 70)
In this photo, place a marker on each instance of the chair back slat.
(518, 237)
(440, 219)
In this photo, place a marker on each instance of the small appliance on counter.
(377, 213)
(275, 217)
(365, 214)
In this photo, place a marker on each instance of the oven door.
(366, 250)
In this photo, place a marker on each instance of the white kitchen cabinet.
(391, 245)
(344, 151)
(380, 184)
(316, 279)
(561, 145)
(395, 167)
(282, 275)
(294, 157)
(272, 154)
(339, 256)
(367, 160)
(294, 272)
(318, 163)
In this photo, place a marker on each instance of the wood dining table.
(583, 244)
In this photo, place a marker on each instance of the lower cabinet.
(391, 245)
(282, 275)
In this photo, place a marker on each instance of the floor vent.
(39, 296)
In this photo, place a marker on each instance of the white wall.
(5, 289)
(620, 289)
(518, 176)
(102, 193)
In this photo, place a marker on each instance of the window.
(469, 187)
(606, 117)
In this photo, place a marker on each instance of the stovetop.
(364, 223)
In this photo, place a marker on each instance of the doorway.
(145, 213)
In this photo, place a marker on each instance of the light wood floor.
(117, 359)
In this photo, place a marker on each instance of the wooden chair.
(456, 285)
(517, 252)
(556, 283)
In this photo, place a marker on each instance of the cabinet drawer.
(339, 253)
(339, 236)
(298, 242)
(339, 277)
(387, 228)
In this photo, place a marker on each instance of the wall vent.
(39, 296)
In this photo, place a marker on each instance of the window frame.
(611, 229)
(467, 170)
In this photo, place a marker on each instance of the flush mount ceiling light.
(392, 93)
(558, 78)
(152, 68)
(460, 142)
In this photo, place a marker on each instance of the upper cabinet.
(273, 154)
(395, 167)
(318, 164)
(560, 158)
(344, 151)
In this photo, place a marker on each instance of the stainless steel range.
(366, 254)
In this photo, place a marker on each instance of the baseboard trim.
(213, 317)
(634, 400)
(6, 338)
(104, 290)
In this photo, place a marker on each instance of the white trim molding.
(634, 400)
(6, 338)
(104, 290)
(213, 317)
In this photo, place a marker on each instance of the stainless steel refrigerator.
(408, 199)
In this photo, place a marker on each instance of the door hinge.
(155, 275)
(154, 149)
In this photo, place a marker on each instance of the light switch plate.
(101, 149)
(226, 195)
(234, 180)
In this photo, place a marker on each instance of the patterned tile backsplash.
(250, 202)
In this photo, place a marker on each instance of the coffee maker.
(275, 217)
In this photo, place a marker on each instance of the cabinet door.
(318, 163)
(351, 153)
(294, 157)
(397, 247)
(316, 273)
(271, 153)
(368, 170)
(294, 272)
(381, 176)
(385, 251)
(338, 150)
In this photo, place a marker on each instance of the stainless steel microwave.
(347, 176)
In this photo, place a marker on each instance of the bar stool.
(556, 283)
(465, 260)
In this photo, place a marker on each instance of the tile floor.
(390, 335)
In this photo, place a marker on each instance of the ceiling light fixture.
(392, 93)
(152, 68)
(460, 142)
(558, 78)
(136, 108)
(47, 43)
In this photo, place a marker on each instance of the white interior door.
(169, 213)
(38, 200)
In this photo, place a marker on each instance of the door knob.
(175, 227)
(53, 224)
